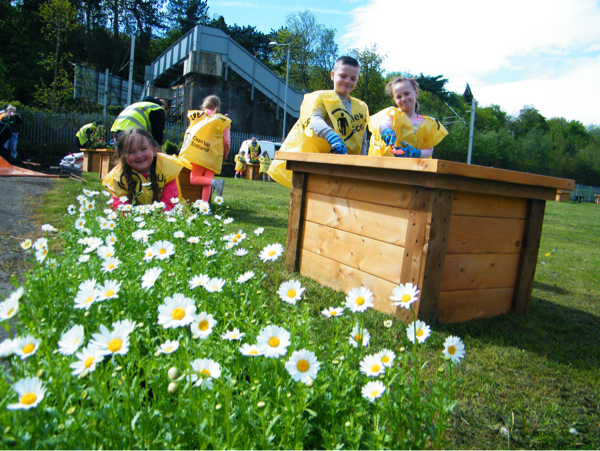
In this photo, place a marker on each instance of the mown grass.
(536, 375)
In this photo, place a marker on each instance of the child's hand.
(410, 151)
(388, 136)
(336, 143)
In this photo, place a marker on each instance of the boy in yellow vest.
(330, 121)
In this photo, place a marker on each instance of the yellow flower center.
(360, 300)
(177, 313)
(375, 393)
(420, 333)
(204, 371)
(375, 368)
(28, 398)
(253, 352)
(163, 251)
(88, 362)
(109, 255)
(302, 366)
(358, 337)
(90, 299)
(111, 266)
(77, 341)
(385, 359)
(203, 325)
(451, 350)
(238, 236)
(110, 293)
(273, 342)
(10, 312)
(271, 253)
(291, 293)
(406, 298)
(28, 348)
(169, 349)
(333, 312)
(115, 344)
(235, 240)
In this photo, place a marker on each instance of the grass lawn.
(528, 381)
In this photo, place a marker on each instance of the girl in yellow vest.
(265, 161)
(402, 131)
(141, 163)
(240, 159)
(205, 145)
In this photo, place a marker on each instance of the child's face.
(344, 79)
(405, 96)
(140, 154)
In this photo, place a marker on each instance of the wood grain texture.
(375, 221)
(373, 257)
(459, 306)
(436, 239)
(479, 271)
(485, 205)
(472, 235)
(344, 278)
(363, 190)
(529, 256)
(295, 221)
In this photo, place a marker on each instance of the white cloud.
(514, 53)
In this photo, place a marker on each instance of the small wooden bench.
(597, 198)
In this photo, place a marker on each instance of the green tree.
(186, 14)
(434, 84)
(529, 119)
(59, 18)
(371, 84)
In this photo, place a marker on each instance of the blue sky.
(513, 53)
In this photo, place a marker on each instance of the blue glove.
(388, 136)
(410, 151)
(336, 143)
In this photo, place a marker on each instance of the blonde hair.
(211, 102)
(389, 88)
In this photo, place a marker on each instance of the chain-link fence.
(583, 193)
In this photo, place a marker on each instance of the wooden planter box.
(467, 235)
(98, 160)
(562, 196)
(252, 171)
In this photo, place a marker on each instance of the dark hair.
(346, 60)
(122, 144)
(389, 88)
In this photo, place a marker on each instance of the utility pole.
(472, 130)
(130, 85)
(105, 93)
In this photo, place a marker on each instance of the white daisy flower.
(111, 215)
(71, 340)
(168, 347)
(40, 243)
(110, 264)
(404, 295)
(271, 252)
(218, 200)
(176, 311)
(332, 311)
(27, 346)
(142, 235)
(48, 228)
(174, 200)
(126, 324)
(163, 250)
(87, 284)
(109, 290)
(229, 245)
(387, 357)
(16, 295)
(105, 252)
(30, 392)
(79, 223)
(204, 371)
(179, 234)
(359, 299)
(150, 276)
(8, 348)
(142, 224)
(115, 342)
(290, 291)
(71, 209)
(26, 244)
(418, 330)
(228, 221)
(41, 255)
(372, 366)
(218, 217)
(357, 337)
(193, 240)
(83, 258)
(9, 308)
(214, 285)
(245, 277)
(250, 350)
(373, 390)
(259, 231)
(203, 325)
(209, 252)
(111, 239)
(149, 254)
(171, 219)
(111, 225)
(199, 281)
(240, 252)
(454, 349)
(302, 366)
(87, 359)
(232, 334)
(273, 341)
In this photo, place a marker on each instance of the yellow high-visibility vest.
(82, 135)
(136, 115)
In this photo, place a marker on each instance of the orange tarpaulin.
(8, 170)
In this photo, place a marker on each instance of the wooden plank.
(295, 221)
(479, 271)
(479, 204)
(344, 278)
(375, 221)
(470, 235)
(363, 190)
(458, 306)
(529, 256)
(373, 257)
(436, 242)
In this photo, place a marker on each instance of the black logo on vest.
(347, 124)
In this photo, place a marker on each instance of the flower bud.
(172, 389)
(40, 373)
(173, 373)
(388, 323)
(310, 382)
(260, 404)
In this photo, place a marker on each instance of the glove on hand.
(410, 151)
(336, 143)
(388, 136)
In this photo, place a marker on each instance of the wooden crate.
(468, 236)
(252, 171)
(98, 160)
(562, 196)
(188, 191)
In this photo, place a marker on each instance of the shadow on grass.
(558, 333)
(549, 288)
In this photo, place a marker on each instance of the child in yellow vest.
(402, 131)
(240, 159)
(265, 162)
(142, 163)
(205, 145)
(330, 121)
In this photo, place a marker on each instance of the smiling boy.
(330, 121)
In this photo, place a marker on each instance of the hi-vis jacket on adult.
(349, 125)
(136, 115)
